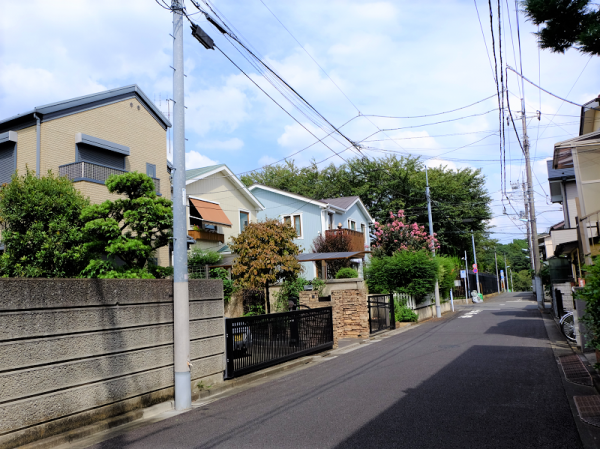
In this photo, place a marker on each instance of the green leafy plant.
(403, 313)
(202, 387)
(198, 259)
(591, 294)
(346, 273)
(289, 289)
(403, 272)
(124, 234)
(229, 287)
(447, 271)
(255, 310)
(318, 285)
(41, 227)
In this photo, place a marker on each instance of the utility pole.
(181, 314)
(467, 270)
(497, 278)
(529, 242)
(506, 274)
(532, 219)
(512, 283)
(438, 307)
(475, 262)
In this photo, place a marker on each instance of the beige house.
(220, 206)
(89, 138)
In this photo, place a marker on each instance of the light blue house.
(312, 218)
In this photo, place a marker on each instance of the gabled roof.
(346, 202)
(197, 174)
(579, 140)
(295, 196)
(74, 105)
(343, 202)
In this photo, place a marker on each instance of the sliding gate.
(256, 342)
(381, 313)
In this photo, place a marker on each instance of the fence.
(256, 342)
(380, 310)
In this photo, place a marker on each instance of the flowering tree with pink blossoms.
(397, 235)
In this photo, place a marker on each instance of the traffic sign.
(474, 268)
(463, 274)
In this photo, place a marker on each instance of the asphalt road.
(486, 379)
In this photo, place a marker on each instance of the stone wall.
(75, 351)
(350, 312)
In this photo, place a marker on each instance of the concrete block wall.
(567, 294)
(75, 351)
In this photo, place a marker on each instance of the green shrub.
(229, 287)
(591, 294)
(447, 270)
(288, 290)
(403, 272)
(404, 313)
(318, 285)
(346, 273)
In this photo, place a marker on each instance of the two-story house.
(89, 138)
(582, 154)
(220, 206)
(312, 218)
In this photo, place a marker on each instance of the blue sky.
(396, 58)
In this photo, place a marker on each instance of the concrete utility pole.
(512, 283)
(534, 237)
(505, 274)
(497, 277)
(475, 262)
(181, 309)
(467, 270)
(438, 307)
(529, 242)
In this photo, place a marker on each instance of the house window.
(330, 225)
(363, 228)
(151, 170)
(296, 222)
(244, 219)
(352, 225)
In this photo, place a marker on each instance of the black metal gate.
(381, 313)
(256, 342)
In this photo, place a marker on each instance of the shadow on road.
(489, 396)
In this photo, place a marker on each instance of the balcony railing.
(86, 171)
(207, 236)
(357, 239)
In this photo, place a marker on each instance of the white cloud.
(229, 144)
(437, 162)
(193, 159)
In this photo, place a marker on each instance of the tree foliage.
(42, 227)
(398, 235)
(392, 183)
(266, 254)
(567, 23)
(409, 272)
(591, 294)
(447, 272)
(123, 235)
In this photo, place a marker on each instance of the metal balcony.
(86, 171)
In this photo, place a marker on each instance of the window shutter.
(151, 170)
(101, 157)
(7, 162)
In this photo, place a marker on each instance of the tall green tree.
(41, 227)
(567, 23)
(124, 234)
(391, 183)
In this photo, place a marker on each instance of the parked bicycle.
(567, 326)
